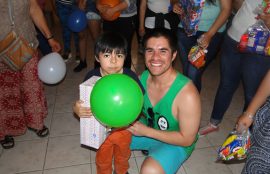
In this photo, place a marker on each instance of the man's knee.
(151, 166)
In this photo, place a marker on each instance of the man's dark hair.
(162, 32)
(110, 41)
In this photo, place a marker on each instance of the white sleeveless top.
(244, 18)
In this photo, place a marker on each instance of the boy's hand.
(81, 111)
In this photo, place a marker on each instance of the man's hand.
(138, 129)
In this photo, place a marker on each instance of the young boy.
(110, 51)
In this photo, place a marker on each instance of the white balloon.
(51, 68)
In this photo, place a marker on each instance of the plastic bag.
(255, 39)
(235, 147)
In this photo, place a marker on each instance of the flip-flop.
(41, 133)
(8, 142)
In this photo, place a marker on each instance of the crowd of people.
(171, 110)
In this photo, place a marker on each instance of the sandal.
(8, 142)
(41, 133)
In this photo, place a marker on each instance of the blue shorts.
(170, 157)
(91, 11)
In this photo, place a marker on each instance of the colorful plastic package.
(196, 56)
(256, 38)
(235, 147)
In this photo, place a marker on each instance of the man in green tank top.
(172, 109)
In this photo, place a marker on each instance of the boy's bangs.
(110, 50)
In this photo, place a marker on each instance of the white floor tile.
(66, 151)
(24, 157)
(78, 169)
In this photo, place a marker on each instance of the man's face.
(158, 55)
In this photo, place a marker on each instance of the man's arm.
(187, 110)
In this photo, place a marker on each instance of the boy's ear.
(97, 59)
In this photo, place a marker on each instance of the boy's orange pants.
(115, 146)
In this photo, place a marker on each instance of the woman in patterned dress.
(258, 159)
(22, 99)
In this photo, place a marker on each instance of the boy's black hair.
(110, 41)
(162, 32)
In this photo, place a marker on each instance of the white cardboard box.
(92, 133)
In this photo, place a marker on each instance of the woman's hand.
(141, 31)
(54, 45)
(108, 12)
(244, 122)
(204, 40)
(81, 111)
(82, 4)
(177, 8)
(266, 19)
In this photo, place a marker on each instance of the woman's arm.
(143, 6)
(246, 119)
(225, 12)
(39, 20)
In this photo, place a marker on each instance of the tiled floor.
(61, 153)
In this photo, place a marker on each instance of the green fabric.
(163, 117)
(209, 14)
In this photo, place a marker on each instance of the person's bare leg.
(151, 166)
(95, 30)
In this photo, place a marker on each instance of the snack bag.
(196, 56)
(190, 18)
(235, 146)
(255, 39)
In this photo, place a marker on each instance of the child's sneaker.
(208, 129)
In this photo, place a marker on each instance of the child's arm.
(81, 111)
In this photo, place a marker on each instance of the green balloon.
(116, 100)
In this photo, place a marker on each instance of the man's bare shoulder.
(187, 95)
